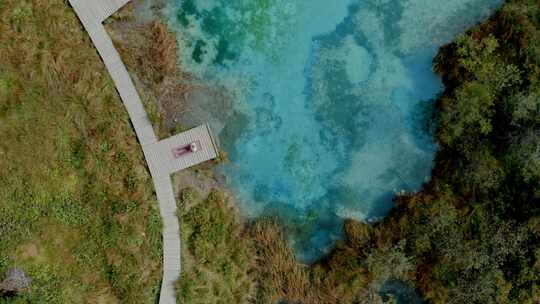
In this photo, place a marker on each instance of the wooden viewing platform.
(162, 156)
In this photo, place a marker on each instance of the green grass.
(78, 211)
(216, 256)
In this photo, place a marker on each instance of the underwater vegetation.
(332, 104)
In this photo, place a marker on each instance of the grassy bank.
(76, 203)
(216, 254)
(472, 234)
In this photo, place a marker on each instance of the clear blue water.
(331, 101)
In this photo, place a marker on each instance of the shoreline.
(376, 243)
(131, 33)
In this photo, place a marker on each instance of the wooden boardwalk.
(160, 156)
(162, 161)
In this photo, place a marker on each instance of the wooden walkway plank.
(161, 160)
(171, 239)
(162, 157)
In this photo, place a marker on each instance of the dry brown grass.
(281, 277)
(162, 51)
(150, 52)
(341, 277)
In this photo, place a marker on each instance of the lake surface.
(331, 101)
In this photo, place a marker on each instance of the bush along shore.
(471, 235)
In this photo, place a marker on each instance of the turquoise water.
(330, 101)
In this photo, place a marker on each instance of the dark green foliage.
(469, 231)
